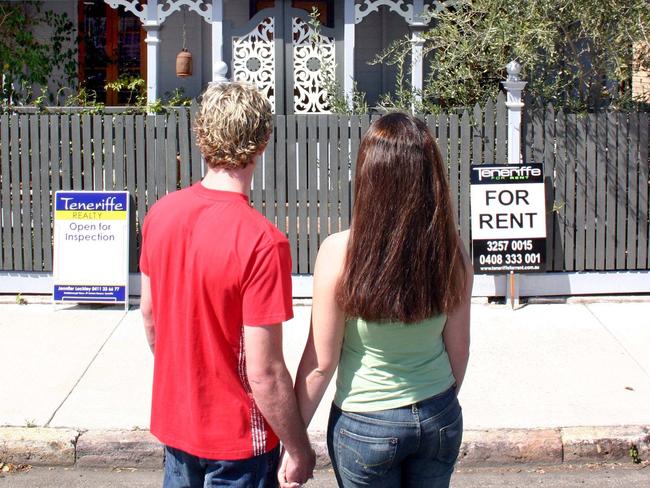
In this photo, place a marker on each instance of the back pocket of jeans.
(362, 458)
(451, 437)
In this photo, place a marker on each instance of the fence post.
(514, 86)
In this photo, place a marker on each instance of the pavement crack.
(101, 348)
(627, 351)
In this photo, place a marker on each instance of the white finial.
(219, 71)
(513, 68)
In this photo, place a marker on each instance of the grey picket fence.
(596, 169)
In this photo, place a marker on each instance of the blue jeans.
(183, 470)
(412, 446)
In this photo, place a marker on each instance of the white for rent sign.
(508, 218)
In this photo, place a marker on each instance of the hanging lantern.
(184, 58)
(184, 63)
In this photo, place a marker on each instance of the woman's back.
(391, 364)
(400, 272)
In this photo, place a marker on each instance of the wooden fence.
(596, 169)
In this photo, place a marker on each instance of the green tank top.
(392, 364)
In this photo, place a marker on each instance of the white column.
(153, 42)
(417, 44)
(348, 50)
(219, 67)
(152, 27)
(417, 76)
(514, 86)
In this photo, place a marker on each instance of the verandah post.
(219, 67)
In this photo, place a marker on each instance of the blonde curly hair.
(233, 124)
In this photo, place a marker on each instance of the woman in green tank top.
(391, 310)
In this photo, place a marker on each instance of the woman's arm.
(323, 349)
(456, 333)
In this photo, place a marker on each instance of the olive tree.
(578, 54)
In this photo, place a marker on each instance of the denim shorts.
(412, 446)
(183, 470)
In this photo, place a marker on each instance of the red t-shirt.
(214, 264)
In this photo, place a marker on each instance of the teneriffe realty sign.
(91, 246)
(508, 218)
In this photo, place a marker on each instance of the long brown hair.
(403, 261)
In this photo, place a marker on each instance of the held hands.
(295, 471)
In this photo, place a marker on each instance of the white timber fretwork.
(408, 11)
(253, 58)
(313, 63)
(163, 10)
(400, 7)
(134, 6)
(289, 59)
(204, 9)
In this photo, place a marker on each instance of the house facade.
(271, 43)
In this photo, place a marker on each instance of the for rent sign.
(508, 218)
(91, 246)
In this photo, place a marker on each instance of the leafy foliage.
(136, 89)
(575, 53)
(338, 102)
(27, 60)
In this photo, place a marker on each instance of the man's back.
(215, 288)
(214, 264)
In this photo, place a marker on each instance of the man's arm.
(146, 308)
(273, 392)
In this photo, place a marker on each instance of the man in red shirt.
(216, 287)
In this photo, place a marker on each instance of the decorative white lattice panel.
(401, 8)
(253, 58)
(313, 61)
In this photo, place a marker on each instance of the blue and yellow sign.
(91, 242)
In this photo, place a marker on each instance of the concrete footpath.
(546, 384)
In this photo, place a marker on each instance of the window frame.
(112, 40)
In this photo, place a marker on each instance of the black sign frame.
(502, 254)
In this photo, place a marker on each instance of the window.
(111, 45)
(325, 8)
